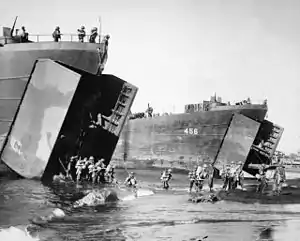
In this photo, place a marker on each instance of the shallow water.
(165, 215)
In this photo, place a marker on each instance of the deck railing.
(48, 37)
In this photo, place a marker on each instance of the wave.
(12, 233)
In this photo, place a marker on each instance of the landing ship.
(50, 93)
(210, 132)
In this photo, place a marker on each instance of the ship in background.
(50, 93)
(210, 132)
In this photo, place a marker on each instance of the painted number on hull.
(191, 131)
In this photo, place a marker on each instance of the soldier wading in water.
(165, 178)
(131, 182)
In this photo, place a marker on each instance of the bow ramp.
(55, 116)
(248, 141)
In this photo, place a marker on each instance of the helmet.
(94, 29)
(91, 158)
(107, 36)
(82, 27)
(232, 162)
(240, 162)
(131, 173)
(57, 27)
(169, 170)
(205, 165)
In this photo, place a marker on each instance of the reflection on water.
(166, 215)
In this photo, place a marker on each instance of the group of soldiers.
(81, 35)
(233, 176)
(199, 175)
(88, 169)
(57, 35)
(276, 176)
(96, 172)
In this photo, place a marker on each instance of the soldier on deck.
(81, 34)
(94, 35)
(24, 35)
(279, 178)
(105, 41)
(56, 34)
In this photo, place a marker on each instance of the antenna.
(13, 27)
(100, 28)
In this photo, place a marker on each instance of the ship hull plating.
(180, 140)
(56, 116)
(16, 63)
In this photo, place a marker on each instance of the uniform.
(131, 181)
(93, 36)
(261, 176)
(279, 178)
(166, 177)
(79, 168)
(192, 178)
(239, 176)
(24, 35)
(56, 34)
(225, 175)
(81, 34)
(232, 174)
(203, 174)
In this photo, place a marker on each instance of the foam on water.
(12, 234)
(140, 193)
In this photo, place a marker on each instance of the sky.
(183, 51)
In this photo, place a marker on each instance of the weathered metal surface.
(237, 141)
(179, 140)
(41, 114)
(18, 59)
(16, 62)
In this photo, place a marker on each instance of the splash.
(140, 193)
(13, 233)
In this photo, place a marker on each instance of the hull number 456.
(191, 131)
